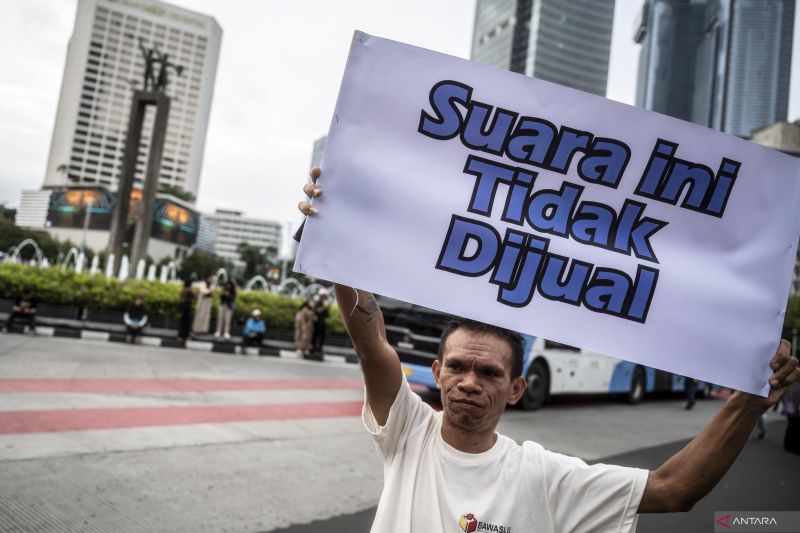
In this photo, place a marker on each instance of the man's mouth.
(467, 402)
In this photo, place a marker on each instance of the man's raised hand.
(312, 190)
(785, 372)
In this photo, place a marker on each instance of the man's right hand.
(364, 323)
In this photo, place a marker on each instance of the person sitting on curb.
(451, 470)
(254, 330)
(135, 319)
(25, 307)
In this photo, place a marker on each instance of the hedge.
(55, 286)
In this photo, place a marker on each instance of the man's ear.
(518, 386)
(436, 367)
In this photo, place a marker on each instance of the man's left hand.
(785, 371)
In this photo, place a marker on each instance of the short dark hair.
(514, 339)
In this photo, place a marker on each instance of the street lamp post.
(88, 206)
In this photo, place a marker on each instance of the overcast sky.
(277, 81)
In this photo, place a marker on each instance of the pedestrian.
(303, 328)
(254, 329)
(185, 309)
(135, 319)
(25, 308)
(791, 408)
(691, 392)
(321, 311)
(449, 470)
(202, 310)
(227, 302)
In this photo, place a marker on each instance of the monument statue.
(163, 72)
(153, 82)
(151, 55)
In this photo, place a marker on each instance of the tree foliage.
(201, 265)
(177, 192)
(11, 235)
(256, 259)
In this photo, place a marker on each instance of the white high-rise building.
(232, 229)
(104, 62)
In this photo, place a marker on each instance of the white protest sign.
(513, 201)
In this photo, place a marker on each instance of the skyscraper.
(104, 62)
(318, 150)
(744, 64)
(669, 32)
(563, 41)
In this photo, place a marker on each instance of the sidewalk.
(205, 343)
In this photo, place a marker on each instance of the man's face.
(475, 379)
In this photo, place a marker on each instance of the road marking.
(58, 420)
(167, 385)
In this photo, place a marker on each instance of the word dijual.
(520, 261)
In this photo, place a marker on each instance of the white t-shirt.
(430, 487)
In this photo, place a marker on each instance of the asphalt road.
(107, 437)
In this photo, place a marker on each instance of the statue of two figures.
(157, 81)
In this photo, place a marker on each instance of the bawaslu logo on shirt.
(469, 524)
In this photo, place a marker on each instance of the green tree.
(203, 265)
(177, 192)
(791, 320)
(255, 259)
(7, 213)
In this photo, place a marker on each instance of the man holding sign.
(450, 470)
(548, 211)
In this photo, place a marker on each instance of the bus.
(552, 368)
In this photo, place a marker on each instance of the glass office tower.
(744, 65)
(563, 41)
(669, 32)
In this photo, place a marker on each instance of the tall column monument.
(153, 94)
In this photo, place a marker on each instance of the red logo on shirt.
(724, 521)
(468, 523)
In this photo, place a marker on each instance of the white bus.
(551, 368)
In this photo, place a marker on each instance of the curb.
(268, 349)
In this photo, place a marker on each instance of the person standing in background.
(185, 309)
(227, 301)
(202, 311)
(691, 391)
(303, 328)
(321, 312)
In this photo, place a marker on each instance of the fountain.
(124, 268)
(95, 265)
(28, 242)
(290, 287)
(169, 272)
(140, 266)
(252, 282)
(110, 266)
(151, 272)
(77, 260)
(221, 274)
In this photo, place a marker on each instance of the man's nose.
(470, 382)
